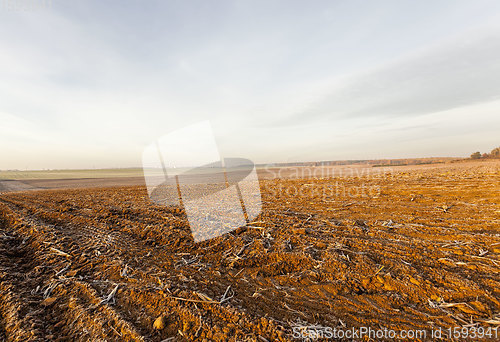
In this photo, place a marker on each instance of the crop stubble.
(105, 263)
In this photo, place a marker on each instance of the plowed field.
(416, 248)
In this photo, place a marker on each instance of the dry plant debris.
(106, 264)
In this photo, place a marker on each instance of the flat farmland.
(412, 247)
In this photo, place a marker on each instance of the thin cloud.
(462, 73)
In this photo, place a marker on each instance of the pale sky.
(87, 84)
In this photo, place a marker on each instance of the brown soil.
(413, 249)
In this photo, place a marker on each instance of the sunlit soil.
(411, 248)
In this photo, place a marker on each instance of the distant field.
(299, 170)
(94, 178)
(70, 174)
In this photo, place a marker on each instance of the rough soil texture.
(415, 248)
(14, 185)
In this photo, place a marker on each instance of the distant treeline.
(495, 153)
(373, 162)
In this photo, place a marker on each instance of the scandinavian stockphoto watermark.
(184, 168)
(326, 183)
